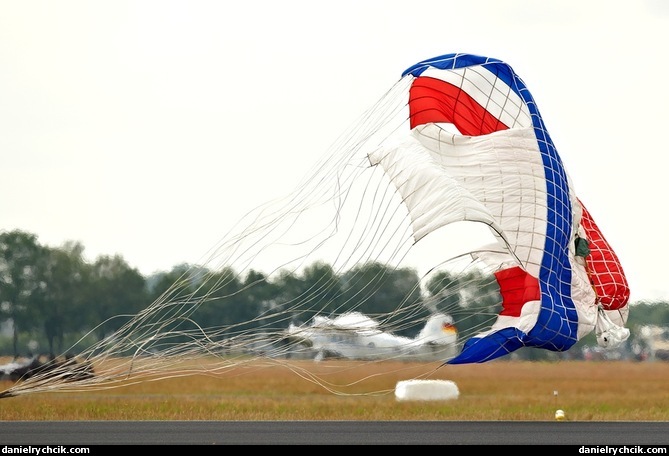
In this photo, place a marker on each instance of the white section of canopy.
(503, 171)
(433, 197)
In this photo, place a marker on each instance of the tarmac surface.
(600, 434)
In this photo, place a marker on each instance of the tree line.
(54, 296)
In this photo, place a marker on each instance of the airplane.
(356, 336)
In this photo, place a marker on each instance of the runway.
(334, 433)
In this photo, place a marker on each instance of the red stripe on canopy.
(516, 287)
(435, 101)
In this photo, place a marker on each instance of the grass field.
(500, 390)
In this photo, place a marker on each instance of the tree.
(472, 298)
(320, 290)
(258, 296)
(290, 291)
(64, 275)
(222, 304)
(379, 291)
(115, 293)
(20, 280)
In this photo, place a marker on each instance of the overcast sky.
(147, 128)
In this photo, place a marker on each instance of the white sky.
(147, 128)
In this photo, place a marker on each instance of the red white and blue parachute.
(458, 139)
(479, 151)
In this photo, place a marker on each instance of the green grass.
(499, 390)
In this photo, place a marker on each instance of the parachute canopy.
(479, 151)
(458, 139)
